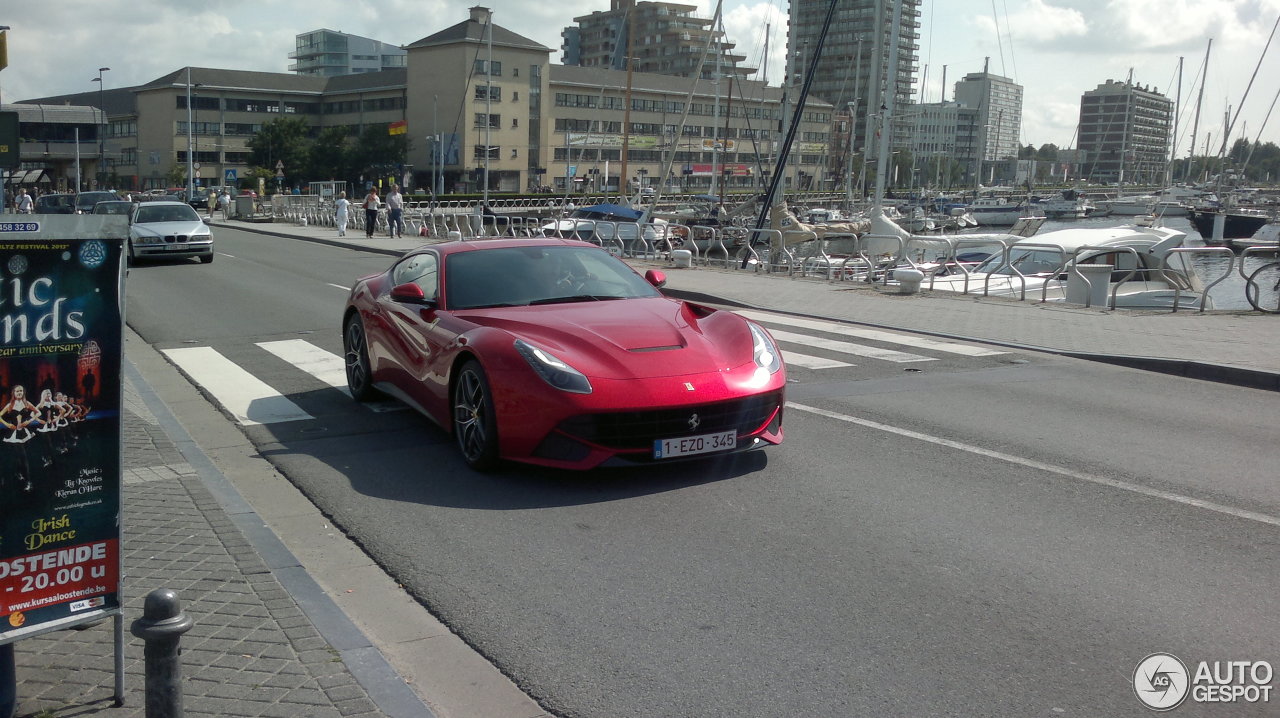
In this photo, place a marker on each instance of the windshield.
(113, 208)
(1026, 261)
(519, 276)
(166, 213)
(89, 199)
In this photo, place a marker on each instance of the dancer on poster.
(16, 416)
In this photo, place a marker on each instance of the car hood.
(161, 229)
(629, 338)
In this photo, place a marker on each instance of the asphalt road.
(999, 535)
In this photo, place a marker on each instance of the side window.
(421, 269)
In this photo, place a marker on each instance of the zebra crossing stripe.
(870, 334)
(325, 366)
(244, 396)
(847, 348)
(810, 362)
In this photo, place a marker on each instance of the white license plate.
(690, 445)
(176, 246)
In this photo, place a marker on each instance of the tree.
(283, 139)
(377, 153)
(329, 157)
(177, 176)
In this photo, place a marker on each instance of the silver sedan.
(169, 229)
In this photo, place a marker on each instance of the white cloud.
(1056, 49)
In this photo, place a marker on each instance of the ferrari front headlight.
(553, 370)
(763, 350)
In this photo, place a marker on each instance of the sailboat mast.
(626, 108)
(1173, 150)
(1195, 126)
(488, 106)
(890, 94)
(716, 146)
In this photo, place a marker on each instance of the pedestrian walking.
(340, 218)
(371, 204)
(224, 202)
(24, 202)
(213, 202)
(395, 212)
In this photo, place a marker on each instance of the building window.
(488, 92)
(494, 121)
(492, 154)
(494, 68)
(514, 123)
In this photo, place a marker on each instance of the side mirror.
(656, 278)
(409, 293)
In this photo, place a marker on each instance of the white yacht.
(1046, 265)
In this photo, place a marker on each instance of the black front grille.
(639, 429)
(171, 238)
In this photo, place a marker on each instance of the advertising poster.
(60, 393)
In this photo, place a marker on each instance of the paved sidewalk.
(252, 651)
(1232, 346)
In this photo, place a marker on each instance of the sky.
(1055, 49)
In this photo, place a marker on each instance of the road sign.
(229, 177)
(279, 166)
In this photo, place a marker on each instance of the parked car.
(119, 206)
(55, 204)
(199, 197)
(168, 229)
(86, 200)
(557, 353)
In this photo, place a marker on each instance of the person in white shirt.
(341, 217)
(395, 212)
(24, 202)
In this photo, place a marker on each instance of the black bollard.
(161, 625)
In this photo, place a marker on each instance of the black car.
(86, 200)
(55, 204)
(123, 207)
(199, 197)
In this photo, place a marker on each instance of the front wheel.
(475, 424)
(355, 353)
(206, 258)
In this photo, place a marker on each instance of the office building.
(994, 131)
(328, 53)
(661, 37)
(854, 57)
(534, 124)
(1125, 131)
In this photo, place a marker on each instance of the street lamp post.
(102, 129)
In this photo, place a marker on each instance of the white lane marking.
(339, 286)
(250, 400)
(808, 362)
(1040, 466)
(227, 255)
(847, 348)
(872, 334)
(323, 365)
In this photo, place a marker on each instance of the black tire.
(206, 258)
(131, 257)
(355, 352)
(475, 424)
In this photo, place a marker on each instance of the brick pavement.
(252, 651)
